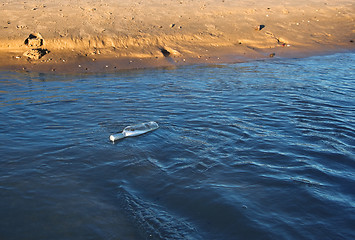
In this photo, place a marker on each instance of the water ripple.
(256, 150)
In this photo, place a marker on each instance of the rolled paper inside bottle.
(116, 136)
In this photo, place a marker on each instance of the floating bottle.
(135, 130)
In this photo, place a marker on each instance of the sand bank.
(96, 36)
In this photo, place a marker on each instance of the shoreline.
(99, 37)
(111, 65)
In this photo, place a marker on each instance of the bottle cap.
(117, 136)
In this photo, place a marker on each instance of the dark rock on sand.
(34, 40)
(165, 52)
(259, 27)
(35, 54)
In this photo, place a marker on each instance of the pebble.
(259, 27)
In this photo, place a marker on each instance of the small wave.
(152, 220)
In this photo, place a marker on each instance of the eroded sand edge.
(92, 36)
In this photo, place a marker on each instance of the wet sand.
(100, 36)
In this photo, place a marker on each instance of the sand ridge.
(107, 35)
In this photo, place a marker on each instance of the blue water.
(256, 150)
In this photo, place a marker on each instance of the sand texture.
(94, 36)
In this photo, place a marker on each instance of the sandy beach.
(99, 36)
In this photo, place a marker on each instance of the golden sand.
(97, 36)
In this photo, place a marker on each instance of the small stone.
(172, 25)
(259, 27)
(35, 54)
(34, 40)
(165, 52)
(272, 55)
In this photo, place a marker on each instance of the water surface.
(257, 150)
